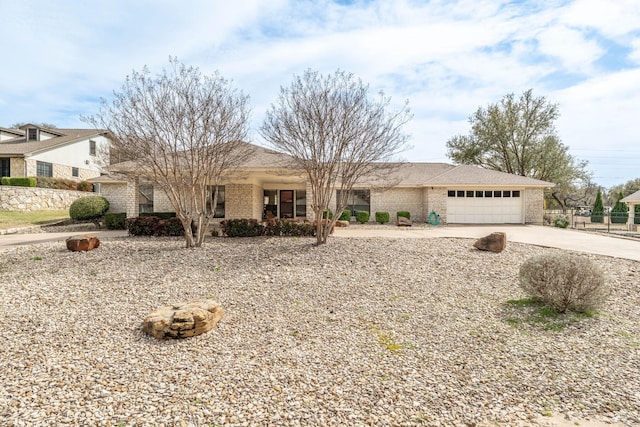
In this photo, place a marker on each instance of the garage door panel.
(484, 210)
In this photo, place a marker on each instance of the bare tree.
(183, 131)
(336, 133)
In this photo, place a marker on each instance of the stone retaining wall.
(29, 199)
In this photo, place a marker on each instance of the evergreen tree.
(620, 212)
(597, 213)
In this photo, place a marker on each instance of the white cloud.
(569, 47)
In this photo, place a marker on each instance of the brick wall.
(437, 202)
(398, 199)
(116, 194)
(17, 167)
(240, 201)
(534, 206)
(161, 202)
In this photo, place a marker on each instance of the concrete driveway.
(551, 237)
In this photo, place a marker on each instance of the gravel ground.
(394, 332)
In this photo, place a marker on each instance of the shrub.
(362, 216)
(89, 207)
(242, 228)
(287, 227)
(620, 211)
(326, 214)
(564, 282)
(382, 217)
(161, 215)
(405, 214)
(115, 221)
(5, 180)
(561, 221)
(597, 213)
(345, 215)
(85, 186)
(22, 182)
(154, 226)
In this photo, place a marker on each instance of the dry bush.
(564, 282)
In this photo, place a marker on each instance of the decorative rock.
(494, 242)
(403, 222)
(340, 223)
(85, 242)
(183, 320)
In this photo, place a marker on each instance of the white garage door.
(484, 207)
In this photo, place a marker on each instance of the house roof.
(632, 198)
(16, 132)
(20, 146)
(397, 175)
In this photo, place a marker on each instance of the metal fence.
(609, 222)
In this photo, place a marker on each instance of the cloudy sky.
(446, 58)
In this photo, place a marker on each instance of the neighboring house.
(58, 153)
(632, 200)
(268, 182)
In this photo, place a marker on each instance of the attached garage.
(485, 206)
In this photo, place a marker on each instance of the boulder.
(494, 242)
(403, 222)
(85, 242)
(340, 223)
(183, 320)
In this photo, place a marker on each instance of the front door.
(286, 203)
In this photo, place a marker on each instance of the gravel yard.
(365, 331)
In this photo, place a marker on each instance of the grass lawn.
(11, 219)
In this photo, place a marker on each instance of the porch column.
(132, 197)
(632, 210)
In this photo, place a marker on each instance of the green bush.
(5, 180)
(561, 221)
(597, 213)
(405, 214)
(564, 282)
(154, 226)
(326, 214)
(382, 217)
(287, 227)
(89, 207)
(362, 216)
(85, 186)
(56, 183)
(161, 215)
(620, 211)
(115, 221)
(345, 215)
(21, 182)
(242, 228)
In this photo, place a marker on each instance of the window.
(75, 172)
(460, 193)
(5, 167)
(497, 193)
(357, 200)
(470, 193)
(515, 193)
(451, 193)
(32, 134)
(488, 193)
(44, 169)
(145, 198)
(506, 193)
(219, 211)
(92, 148)
(479, 193)
(301, 203)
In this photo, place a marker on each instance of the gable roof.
(12, 131)
(632, 198)
(398, 175)
(20, 147)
